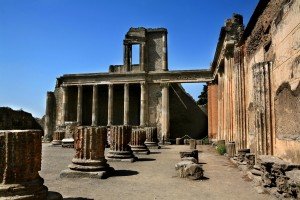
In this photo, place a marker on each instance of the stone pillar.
(70, 130)
(126, 57)
(110, 104)
(192, 144)
(138, 137)
(165, 113)
(119, 149)
(89, 160)
(95, 106)
(151, 138)
(49, 116)
(126, 104)
(165, 53)
(143, 105)
(58, 136)
(64, 112)
(142, 56)
(230, 149)
(20, 163)
(79, 105)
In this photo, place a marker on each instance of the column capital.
(163, 85)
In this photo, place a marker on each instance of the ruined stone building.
(144, 94)
(253, 98)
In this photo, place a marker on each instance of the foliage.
(203, 96)
(221, 149)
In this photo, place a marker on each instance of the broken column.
(138, 137)
(119, 149)
(230, 149)
(20, 163)
(58, 135)
(151, 138)
(192, 144)
(68, 140)
(89, 160)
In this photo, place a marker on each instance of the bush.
(221, 149)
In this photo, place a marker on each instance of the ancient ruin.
(143, 94)
(137, 142)
(89, 160)
(20, 163)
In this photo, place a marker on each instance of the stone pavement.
(153, 177)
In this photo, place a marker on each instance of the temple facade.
(144, 94)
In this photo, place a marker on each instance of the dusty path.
(152, 178)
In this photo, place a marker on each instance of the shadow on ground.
(155, 152)
(77, 198)
(146, 159)
(125, 172)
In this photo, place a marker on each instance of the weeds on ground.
(221, 149)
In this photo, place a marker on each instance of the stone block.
(189, 153)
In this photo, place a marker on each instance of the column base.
(34, 190)
(69, 173)
(56, 142)
(121, 156)
(140, 149)
(68, 142)
(152, 145)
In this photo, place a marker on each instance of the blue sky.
(43, 39)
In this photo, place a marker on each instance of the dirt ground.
(153, 177)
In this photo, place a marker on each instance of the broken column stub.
(20, 163)
(138, 137)
(58, 135)
(119, 148)
(151, 138)
(189, 169)
(192, 143)
(70, 128)
(89, 160)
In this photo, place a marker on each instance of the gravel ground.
(153, 177)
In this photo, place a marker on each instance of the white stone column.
(143, 105)
(165, 53)
(165, 112)
(64, 111)
(79, 104)
(95, 106)
(126, 104)
(110, 105)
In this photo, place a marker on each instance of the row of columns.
(143, 106)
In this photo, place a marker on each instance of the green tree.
(202, 98)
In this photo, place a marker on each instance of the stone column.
(58, 136)
(20, 163)
(151, 138)
(142, 56)
(49, 116)
(165, 53)
(165, 114)
(126, 104)
(143, 105)
(79, 105)
(138, 137)
(119, 149)
(110, 104)
(95, 106)
(64, 112)
(89, 160)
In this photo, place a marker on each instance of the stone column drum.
(138, 137)
(119, 149)
(58, 135)
(151, 138)
(89, 160)
(20, 163)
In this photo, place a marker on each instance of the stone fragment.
(189, 159)
(179, 141)
(151, 138)
(189, 169)
(189, 153)
(230, 149)
(119, 149)
(89, 160)
(192, 144)
(20, 163)
(138, 137)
